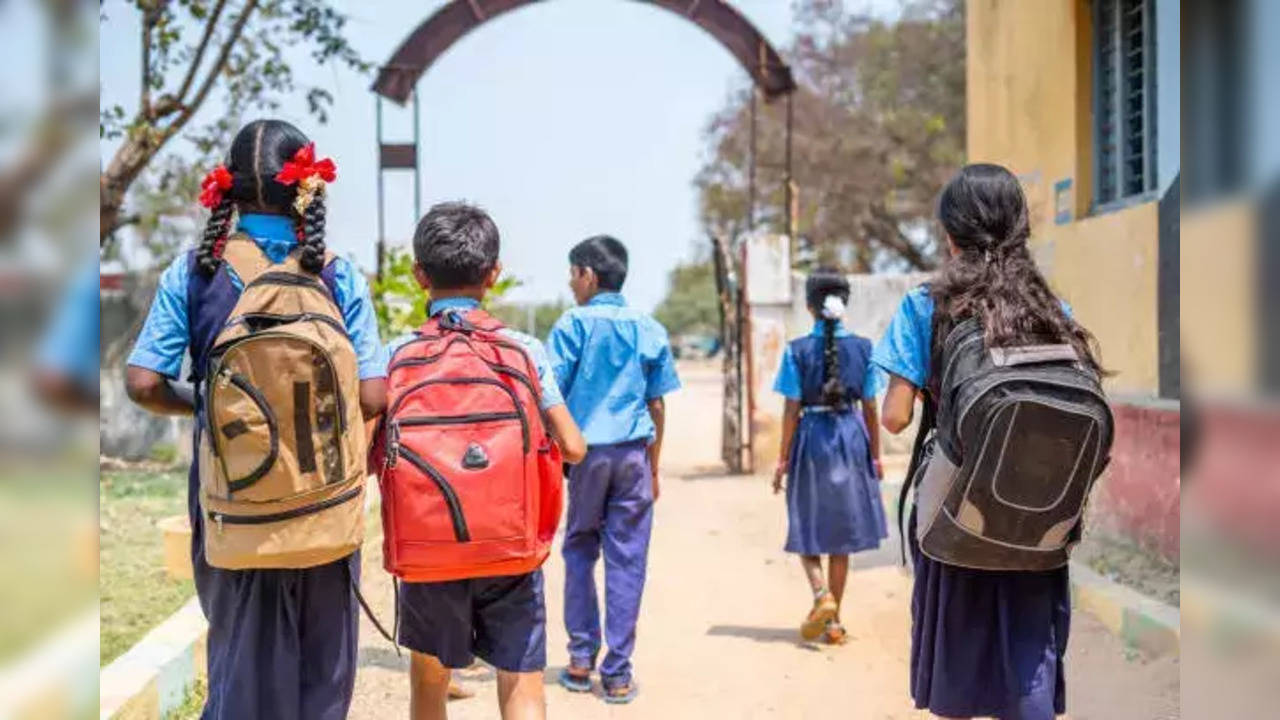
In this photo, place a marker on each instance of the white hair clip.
(832, 307)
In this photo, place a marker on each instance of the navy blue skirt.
(988, 644)
(833, 496)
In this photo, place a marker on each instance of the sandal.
(824, 609)
(836, 634)
(620, 694)
(575, 682)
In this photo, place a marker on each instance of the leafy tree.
(401, 305)
(191, 47)
(690, 306)
(878, 128)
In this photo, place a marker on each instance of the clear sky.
(564, 119)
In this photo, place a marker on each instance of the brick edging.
(1140, 621)
(153, 677)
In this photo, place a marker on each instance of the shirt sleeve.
(564, 346)
(361, 321)
(70, 345)
(551, 396)
(660, 368)
(165, 333)
(787, 384)
(875, 380)
(904, 349)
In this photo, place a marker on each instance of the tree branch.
(190, 108)
(144, 100)
(209, 26)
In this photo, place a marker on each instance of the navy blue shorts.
(502, 620)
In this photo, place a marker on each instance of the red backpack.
(471, 480)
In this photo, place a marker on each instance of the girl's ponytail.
(826, 292)
(216, 230)
(311, 234)
(833, 391)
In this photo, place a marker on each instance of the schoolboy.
(614, 365)
(500, 619)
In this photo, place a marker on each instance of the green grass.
(191, 705)
(136, 594)
(48, 559)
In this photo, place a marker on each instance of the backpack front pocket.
(243, 431)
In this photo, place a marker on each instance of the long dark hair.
(993, 277)
(258, 152)
(821, 284)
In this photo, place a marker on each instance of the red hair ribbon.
(310, 175)
(304, 166)
(217, 182)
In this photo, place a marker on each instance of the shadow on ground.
(785, 636)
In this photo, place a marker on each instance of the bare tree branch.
(148, 21)
(209, 27)
(190, 108)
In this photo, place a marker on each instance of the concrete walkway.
(718, 632)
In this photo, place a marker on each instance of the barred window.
(1124, 99)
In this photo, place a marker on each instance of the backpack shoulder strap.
(244, 256)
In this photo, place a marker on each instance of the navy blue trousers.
(610, 507)
(282, 643)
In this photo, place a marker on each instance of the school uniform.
(833, 495)
(610, 360)
(282, 643)
(502, 620)
(983, 643)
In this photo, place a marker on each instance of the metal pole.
(751, 170)
(382, 234)
(417, 163)
(790, 191)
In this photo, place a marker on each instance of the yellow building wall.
(1105, 267)
(1219, 301)
(1029, 105)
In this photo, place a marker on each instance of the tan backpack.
(282, 446)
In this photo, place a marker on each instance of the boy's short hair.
(604, 255)
(456, 245)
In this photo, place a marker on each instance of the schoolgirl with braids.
(282, 643)
(984, 644)
(830, 454)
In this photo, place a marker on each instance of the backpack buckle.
(453, 320)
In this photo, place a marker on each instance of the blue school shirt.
(906, 348)
(166, 335)
(788, 384)
(546, 378)
(611, 360)
(70, 345)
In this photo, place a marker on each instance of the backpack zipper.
(1025, 377)
(221, 350)
(459, 521)
(273, 430)
(288, 318)
(457, 419)
(287, 278)
(515, 401)
(492, 339)
(220, 517)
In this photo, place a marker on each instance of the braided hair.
(821, 288)
(992, 276)
(257, 154)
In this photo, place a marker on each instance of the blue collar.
(605, 297)
(818, 329)
(275, 234)
(452, 303)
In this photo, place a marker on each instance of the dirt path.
(718, 630)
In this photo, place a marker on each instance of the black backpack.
(1021, 433)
